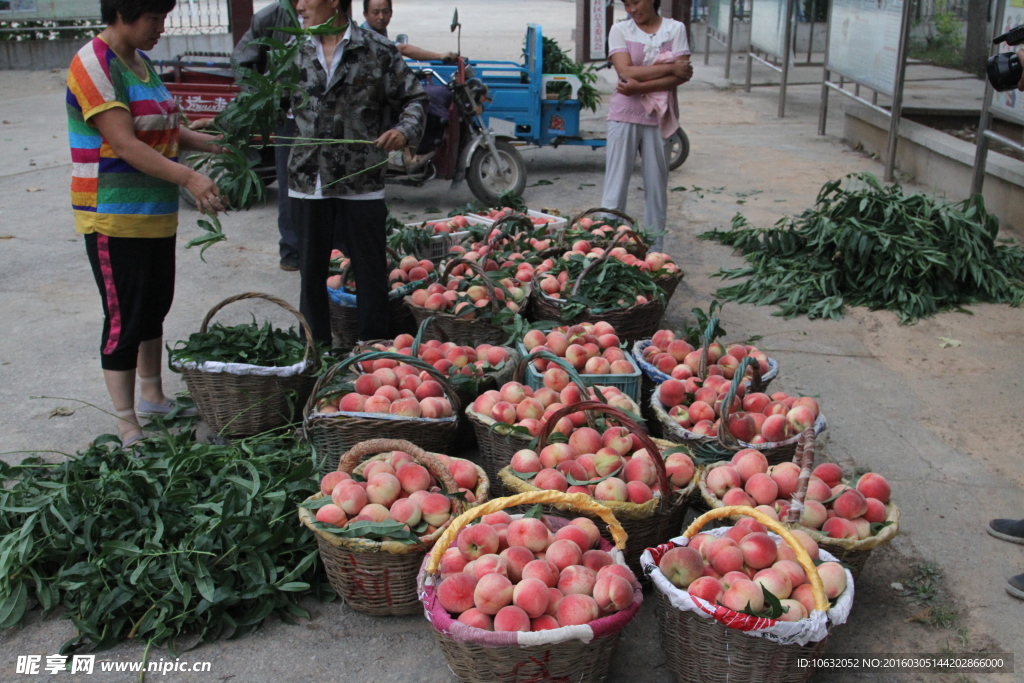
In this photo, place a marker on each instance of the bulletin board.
(864, 42)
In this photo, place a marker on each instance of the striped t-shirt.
(643, 48)
(108, 195)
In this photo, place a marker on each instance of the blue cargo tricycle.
(517, 110)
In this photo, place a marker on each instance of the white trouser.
(624, 139)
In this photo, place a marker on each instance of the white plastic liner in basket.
(463, 633)
(810, 630)
(215, 367)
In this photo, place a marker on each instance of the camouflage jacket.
(371, 88)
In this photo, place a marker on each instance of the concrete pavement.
(941, 423)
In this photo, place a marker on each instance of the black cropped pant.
(359, 227)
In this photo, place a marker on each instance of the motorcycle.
(467, 149)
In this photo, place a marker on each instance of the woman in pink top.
(651, 56)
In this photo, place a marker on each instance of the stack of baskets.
(242, 400)
(379, 577)
(581, 654)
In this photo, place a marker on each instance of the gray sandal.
(157, 410)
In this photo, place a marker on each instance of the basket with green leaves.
(628, 244)
(519, 251)
(471, 306)
(692, 355)
(354, 401)
(717, 421)
(583, 288)
(372, 557)
(247, 379)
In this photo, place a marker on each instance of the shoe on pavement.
(156, 410)
(290, 262)
(1011, 530)
(132, 440)
(1015, 586)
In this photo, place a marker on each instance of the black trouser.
(289, 243)
(135, 276)
(360, 226)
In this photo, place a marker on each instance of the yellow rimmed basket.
(581, 654)
(707, 643)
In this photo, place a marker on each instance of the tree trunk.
(979, 35)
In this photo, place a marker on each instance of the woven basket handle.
(303, 325)
(597, 209)
(624, 421)
(706, 337)
(804, 459)
(725, 437)
(338, 368)
(453, 395)
(579, 501)
(817, 587)
(641, 245)
(574, 376)
(422, 330)
(366, 449)
(479, 271)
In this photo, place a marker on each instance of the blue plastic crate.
(627, 384)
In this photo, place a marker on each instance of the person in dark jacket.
(354, 85)
(253, 56)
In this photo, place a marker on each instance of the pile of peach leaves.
(171, 537)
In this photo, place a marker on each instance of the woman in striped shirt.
(125, 135)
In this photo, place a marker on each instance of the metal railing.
(198, 16)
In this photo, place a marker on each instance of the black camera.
(1004, 69)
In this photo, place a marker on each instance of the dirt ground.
(942, 424)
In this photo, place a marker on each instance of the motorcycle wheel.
(677, 148)
(487, 182)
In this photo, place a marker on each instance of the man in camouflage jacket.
(359, 90)
(371, 87)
